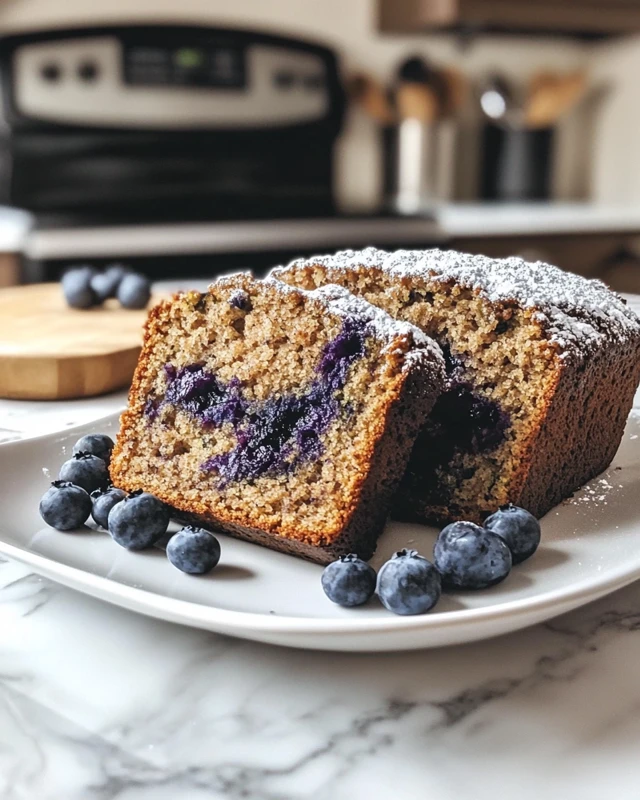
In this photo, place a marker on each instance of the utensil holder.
(516, 163)
(419, 160)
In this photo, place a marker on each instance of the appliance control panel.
(169, 81)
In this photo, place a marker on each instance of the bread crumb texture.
(267, 341)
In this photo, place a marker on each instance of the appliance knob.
(88, 71)
(284, 79)
(50, 72)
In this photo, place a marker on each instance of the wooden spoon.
(368, 93)
(551, 96)
(417, 101)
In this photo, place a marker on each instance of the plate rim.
(246, 621)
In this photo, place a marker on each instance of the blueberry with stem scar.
(138, 521)
(85, 470)
(408, 584)
(349, 581)
(65, 506)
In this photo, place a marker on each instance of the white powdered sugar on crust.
(579, 314)
(380, 325)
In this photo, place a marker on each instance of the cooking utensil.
(551, 96)
(497, 100)
(417, 101)
(415, 69)
(367, 92)
(456, 90)
(427, 95)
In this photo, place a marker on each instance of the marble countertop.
(97, 703)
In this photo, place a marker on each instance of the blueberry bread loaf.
(542, 368)
(280, 416)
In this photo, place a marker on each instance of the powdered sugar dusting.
(340, 301)
(381, 325)
(384, 326)
(579, 314)
(595, 493)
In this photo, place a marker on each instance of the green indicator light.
(189, 58)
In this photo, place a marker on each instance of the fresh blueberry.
(408, 584)
(519, 529)
(470, 557)
(117, 271)
(85, 470)
(103, 501)
(240, 299)
(76, 288)
(193, 550)
(98, 444)
(134, 291)
(105, 284)
(349, 582)
(138, 521)
(86, 269)
(65, 506)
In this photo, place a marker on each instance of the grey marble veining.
(96, 702)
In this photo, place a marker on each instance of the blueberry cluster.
(136, 521)
(86, 287)
(466, 556)
(67, 504)
(406, 584)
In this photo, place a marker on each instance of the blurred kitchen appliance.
(138, 122)
(516, 163)
(518, 137)
(420, 148)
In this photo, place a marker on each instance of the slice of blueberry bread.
(542, 368)
(280, 416)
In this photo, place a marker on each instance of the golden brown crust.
(581, 432)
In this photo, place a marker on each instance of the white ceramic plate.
(591, 546)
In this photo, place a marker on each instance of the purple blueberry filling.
(462, 421)
(151, 408)
(240, 300)
(275, 435)
(466, 421)
(204, 396)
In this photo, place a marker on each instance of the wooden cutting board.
(49, 351)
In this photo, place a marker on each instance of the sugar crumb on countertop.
(594, 493)
(578, 312)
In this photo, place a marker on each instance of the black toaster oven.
(162, 122)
